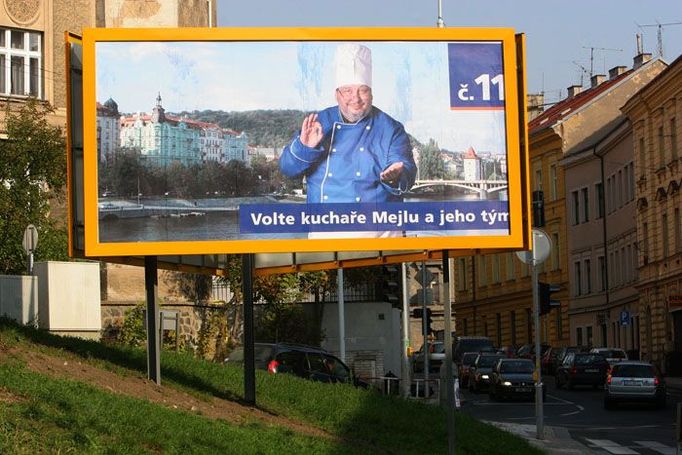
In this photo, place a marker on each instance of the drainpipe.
(473, 289)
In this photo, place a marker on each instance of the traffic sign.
(542, 247)
(30, 240)
(624, 317)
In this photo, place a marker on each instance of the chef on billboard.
(353, 152)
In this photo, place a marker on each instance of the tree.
(32, 173)
(431, 165)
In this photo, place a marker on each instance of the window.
(579, 336)
(673, 138)
(559, 324)
(510, 266)
(601, 263)
(589, 335)
(554, 183)
(642, 158)
(482, 272)
(576, 207)
(496, 268)
(644, 243)
(632, 181)
(588, 276)
(577, 288)
(465, 328)
(664, 235)
(462, 274)
(20, 63)
(661, 147)
(599, 193)
(538, 179)
(620, 189)
(529, 327)
(617, 267)
(586, 205)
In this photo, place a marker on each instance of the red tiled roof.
(470, 154)
(570, 105)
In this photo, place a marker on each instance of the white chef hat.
(353, 65)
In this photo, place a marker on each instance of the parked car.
(527, 351)
(468, 360)
(582, 369)
(481, 371)
(304, 361)
(548, 362)
(561, 353)
(634, 381)
(513, 378)
(436, 357)
(471, 344)
(508, 351)
(612, 355)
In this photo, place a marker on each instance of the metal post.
(249, 345)
(406, 382)
(152, 315)
(30, 263)
(538, 373)
(342, 312)
(447, 339)
(425, 332)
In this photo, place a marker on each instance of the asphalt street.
(629, 429)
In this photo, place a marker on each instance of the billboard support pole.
(425, 333)
(152, 315)
(406, 382)
(249, 343)
(447, 339)
(342, 312)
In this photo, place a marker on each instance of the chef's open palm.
(311, 131)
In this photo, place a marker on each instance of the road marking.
(611, 447)
(657, 447)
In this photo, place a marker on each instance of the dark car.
(508, 351)
(468, 360)
(580, 368)
(548, 361)
(513, 378)
(561, 352)
(481, 371)
(471, 344)
(527, 351)
(634, 381)
(436, 357)
(304, 361)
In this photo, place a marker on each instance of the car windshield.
(469, 358)
(516, 367)
(633, 371)
(487, 361)
(588, 359)
(476, 345)
(438, 348)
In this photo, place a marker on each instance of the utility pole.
(440, 23)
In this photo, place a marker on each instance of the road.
(627, 430)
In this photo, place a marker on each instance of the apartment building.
(655, 113)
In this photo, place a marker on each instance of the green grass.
(57, 416)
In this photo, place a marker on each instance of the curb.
(557, 440)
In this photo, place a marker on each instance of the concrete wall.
(19, 298)
(373, 340)
(69, 297)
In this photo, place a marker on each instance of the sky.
(559, 34)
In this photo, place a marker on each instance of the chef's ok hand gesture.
(311, 131)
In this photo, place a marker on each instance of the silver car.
(612, 355)
(634, 381)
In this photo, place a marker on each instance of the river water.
(211, 226)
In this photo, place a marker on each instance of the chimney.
(617, 71)
(597, 79)
(573, 90)
(640, 60)
(535, 103)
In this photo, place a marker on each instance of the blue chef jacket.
(346, 165)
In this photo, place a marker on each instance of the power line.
(659, 33)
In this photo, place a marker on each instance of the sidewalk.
(557, 440)
(673, 383)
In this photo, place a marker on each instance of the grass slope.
(43, 414)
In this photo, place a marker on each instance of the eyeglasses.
(348, 92)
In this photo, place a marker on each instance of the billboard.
(205, 141)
